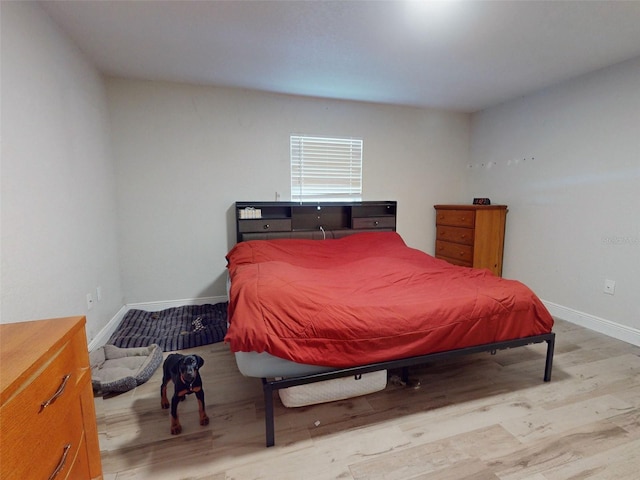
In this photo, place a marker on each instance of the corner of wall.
(103, 335)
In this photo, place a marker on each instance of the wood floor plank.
(549, 423)
(547, 453)
(452, 457)
(328, 457)
(464, 417)
(465, 470)
(618, 463)
(410, 462)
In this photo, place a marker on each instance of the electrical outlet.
(609, 287)
(89, 301)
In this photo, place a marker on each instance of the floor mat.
(174, 328)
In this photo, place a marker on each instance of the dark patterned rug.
(174, 328)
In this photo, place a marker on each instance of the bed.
(304, 311)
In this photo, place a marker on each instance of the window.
(326, 168)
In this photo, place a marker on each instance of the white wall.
(58, 189)
(184, 154)
(567, 162)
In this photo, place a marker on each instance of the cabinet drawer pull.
(266, 226)
(59, 392)
(62, 461)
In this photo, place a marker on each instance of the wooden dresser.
(47, 413)
(471, 235)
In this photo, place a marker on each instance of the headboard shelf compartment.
(312, 217)
(262, 220)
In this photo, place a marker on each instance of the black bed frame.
(321, 220)
(271, 385)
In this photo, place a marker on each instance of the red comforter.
(367, 298)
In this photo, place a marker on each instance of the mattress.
(265, 365)
(367, 298)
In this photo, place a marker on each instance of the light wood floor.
(479, 417)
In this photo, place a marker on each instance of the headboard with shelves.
(313, 220)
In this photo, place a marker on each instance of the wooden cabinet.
(47, 412)
(471, 235)
(258, 220)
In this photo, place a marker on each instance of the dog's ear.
(200, 360)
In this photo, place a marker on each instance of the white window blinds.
(326, 168)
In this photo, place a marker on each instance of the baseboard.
(105, 334)
(607, 327)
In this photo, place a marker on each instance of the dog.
(183, 371)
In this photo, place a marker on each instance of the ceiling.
(458, 55)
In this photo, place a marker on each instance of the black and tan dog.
(182, 370)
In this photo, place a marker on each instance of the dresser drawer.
(265, 224)
(456, 218)
(454, 234)
(47, 442)
(80, 466)
(47, 410)
(46, 416)
(456, 251)
(455, 261)
(50, 391)
(373, 222)
(66, 451)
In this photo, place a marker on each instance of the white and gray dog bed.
(115, 369)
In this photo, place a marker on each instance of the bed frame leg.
(549, 363)
(268, 413)
(405, 375)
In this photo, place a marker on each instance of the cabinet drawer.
(265, 224)
(36, 438)
(456, 218)
(373, 222)
(455, 261)
(454, 234)
(29, 426)
(80, 466)
(461, 253)
(47, 443)
(27, 404)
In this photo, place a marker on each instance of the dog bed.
(115, 369)
(176, 328)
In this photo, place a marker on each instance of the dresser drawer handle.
(62, 461)
(266, 226)
(59, 392)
